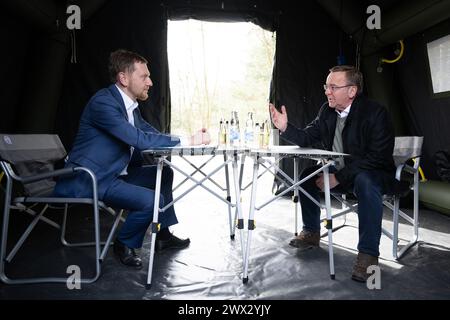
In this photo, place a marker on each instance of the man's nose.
(149, 82)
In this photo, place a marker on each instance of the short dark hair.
(353, 75)
(123, 60)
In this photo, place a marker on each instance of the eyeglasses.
(334, 88)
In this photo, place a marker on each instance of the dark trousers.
(368, 189)
(135, 192)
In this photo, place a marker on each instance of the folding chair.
(27, 162)
(407, 150)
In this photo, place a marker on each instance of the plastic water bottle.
(249, 130)
(234, 129)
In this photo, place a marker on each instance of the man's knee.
(307, 171)
(150, 202)
(311, 182)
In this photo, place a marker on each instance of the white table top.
(195, 150)
(267, 152)
(296, 151)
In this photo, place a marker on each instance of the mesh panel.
(30, 155)
(16, 148)
(406, 148)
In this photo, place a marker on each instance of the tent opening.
(216, 68)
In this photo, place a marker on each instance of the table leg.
(227, 182)
(155, 224)
(329, 225)
(240, 224)
(251, 221)
(295, 199)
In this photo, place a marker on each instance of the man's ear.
(352, 92)
(123, 79)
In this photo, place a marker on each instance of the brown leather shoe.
(363, 261)
(306, 240)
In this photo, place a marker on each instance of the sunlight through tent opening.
(217, 68)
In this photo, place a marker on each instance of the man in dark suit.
(111, 133)
(352, 124)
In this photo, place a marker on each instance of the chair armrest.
(410, 169)
(402, 188)
(407, 168)
(398, 172)
(46, 175)
(94, 184)
(56, 173)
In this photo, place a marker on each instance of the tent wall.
(426, 114)
(38, 45)
(47, 90)
(262, 13)
(14, 64)
(34, 63)
(405, 87)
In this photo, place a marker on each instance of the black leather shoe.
(172, 243)
(127, 256)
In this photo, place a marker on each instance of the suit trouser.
(135, 192)
(368, 189)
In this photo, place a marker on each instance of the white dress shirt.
(344, 113)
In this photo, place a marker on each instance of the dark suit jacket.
(103, 143)
(368, 137)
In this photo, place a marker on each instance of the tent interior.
(52, 71)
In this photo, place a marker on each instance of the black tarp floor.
(211, 268)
